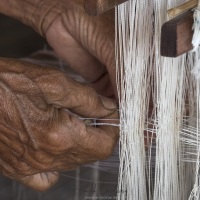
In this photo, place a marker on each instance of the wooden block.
(176, 35)
(97, 7)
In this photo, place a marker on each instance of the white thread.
(196, 69)
(196, 28)
(141, 73)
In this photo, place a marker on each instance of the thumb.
(79, 98)
(41, 181)
(93, 105)
(85, 101)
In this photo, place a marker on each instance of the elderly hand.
(38, 137)
(85, 42)
(79, 38)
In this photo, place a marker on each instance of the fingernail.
(108, 103)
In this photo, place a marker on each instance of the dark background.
(18, 40)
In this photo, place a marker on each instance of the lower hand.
(38, 137)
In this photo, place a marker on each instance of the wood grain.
(97, 7)
(176, 35)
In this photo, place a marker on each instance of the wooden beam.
(97, 7)
(176, 35)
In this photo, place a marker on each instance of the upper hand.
(86, 43)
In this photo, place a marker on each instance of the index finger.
(103, 139)
(76, 143)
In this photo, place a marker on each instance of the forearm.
(35, 13)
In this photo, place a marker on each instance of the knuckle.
(24, 169)
(61, 137)
(90, 96)
(107, 150)
(35, 161)
(54, 139)
(53, 84)
(59, 79)
(43, 161)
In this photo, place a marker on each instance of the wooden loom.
(176, 34)
(176, 40)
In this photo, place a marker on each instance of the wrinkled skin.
(79, 38)
(38, 137)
